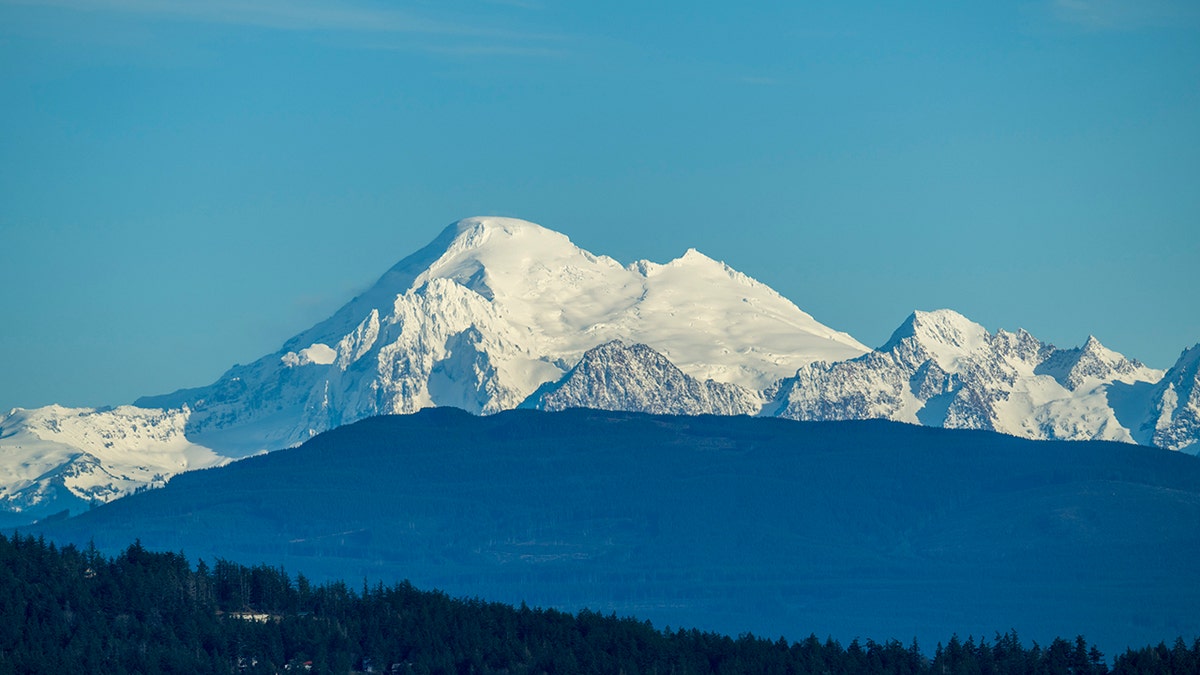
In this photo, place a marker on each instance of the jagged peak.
(693, 262)
(617, 375)
(1093, 362)
(1185, 373)
(945, 317)
(1175, 423)
(690, 258)
(618, 346)
(611, 345)
(1189, 359)
(1019, 334)
(1094, 348)
(944, 327)
(694, 257)
(621, 350)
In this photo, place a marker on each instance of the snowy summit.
(497, 313)
(488, 312)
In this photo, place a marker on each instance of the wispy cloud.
(1124, 14)
(319, 15)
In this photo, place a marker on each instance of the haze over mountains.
(498, 313)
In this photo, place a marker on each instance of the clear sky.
(184, 184)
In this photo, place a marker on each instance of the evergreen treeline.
(68, 610)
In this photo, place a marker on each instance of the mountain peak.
(635, 377)
(945, 318)
(495, 309)
(692, 256)
(1093, 347)
(489, 311)
(1189, 359)
(691, 260)
(944, 332)
(499, 240)
(503, 257)
(1094, 363)
(501, 223)
(1175, 422)
(478, 230)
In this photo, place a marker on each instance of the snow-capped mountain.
(941, 369)
(635, 378)
(496, 313)
(489, 311)
(1092, 364)
(66, 458)
(1174, 420)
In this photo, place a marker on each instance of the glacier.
(499, 313)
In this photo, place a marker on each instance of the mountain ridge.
(635, 378)
(497, 312)
(941, 369)
(724, 522)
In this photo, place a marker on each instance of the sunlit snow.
(496, 309)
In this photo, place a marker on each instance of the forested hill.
(69, 610)
(727, 524)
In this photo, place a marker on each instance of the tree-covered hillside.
(727, 524)
(67, 610)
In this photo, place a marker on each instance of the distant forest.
(67, 610)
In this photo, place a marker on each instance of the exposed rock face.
(1175, 419)
(479, 319)
(635, 378)
(940, 369)
(1091, 363)
(487, 313)
(498, 312)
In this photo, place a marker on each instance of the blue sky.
(184, 185)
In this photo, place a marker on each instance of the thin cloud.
(307, 16)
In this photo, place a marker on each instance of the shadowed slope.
(858, 528)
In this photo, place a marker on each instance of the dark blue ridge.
(866, 528)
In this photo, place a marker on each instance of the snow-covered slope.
(479, 319)
(66, 458)
(635, 378)
(491, 310)
(941, 369)
(496, 310)
(1174, 422)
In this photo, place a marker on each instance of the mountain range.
(866, 528)
(500, 313)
